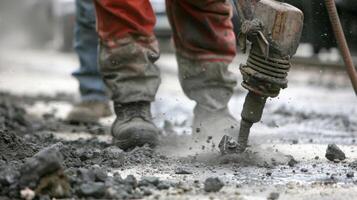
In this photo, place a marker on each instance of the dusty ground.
(318, 108)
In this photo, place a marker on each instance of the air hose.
(341, 41)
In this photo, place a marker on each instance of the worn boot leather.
(133, 126)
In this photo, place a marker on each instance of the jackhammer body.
(273, 29)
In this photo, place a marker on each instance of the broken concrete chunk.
(334, 153)
(350, 174)
(146, 191)
(213, 185)
(45, 162)
(100, 174)
(85, 175)
(304, 170)
(163, 185)
(131, 181)
(181, 170)
(147, 181)
(86, 154)
(228, 145)
(353, 164)
(116, 192)
(273, 196)
(8, 176)
(183, 186)
(292, 162)
(114, 152)
(92, 189)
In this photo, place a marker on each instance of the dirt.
(91, 167)
(33, 160)
(12, 116)
(13, 147)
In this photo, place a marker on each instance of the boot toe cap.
(135, 133)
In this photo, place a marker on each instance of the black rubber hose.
(341, 41)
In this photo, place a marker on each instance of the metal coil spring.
(265, 76)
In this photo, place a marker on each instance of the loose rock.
(350, 175)
(228, 145)
(45, 162)
(353, 164)
(213, 185)
(273, 196)
(334, 153)
(292, 162)
(147, 181)
(163, 185)
(92, 189)
(182, 171)
(114, 152)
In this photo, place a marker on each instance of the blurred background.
(50, 23)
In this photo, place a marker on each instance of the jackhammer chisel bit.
(274, 33)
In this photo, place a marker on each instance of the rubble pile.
(44, 175)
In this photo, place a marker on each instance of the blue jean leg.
(91, 85)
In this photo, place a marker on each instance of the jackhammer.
(273, 29)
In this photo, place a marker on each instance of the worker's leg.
(205, 45)
(94, 100)
(128, 50)
(86, 46)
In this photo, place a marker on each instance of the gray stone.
(181, 170)
(45, 162)
(334, 153)
(100, 174)
(273, 196)
(350, 174)
(163, 185)
(228, 145)
(147, 181)
(114, 152)
(92, 189)
(353, 164)
(213, 185)
(130, 180)
(116, 192)
(8, 176)
(292, 162)
(86, 175)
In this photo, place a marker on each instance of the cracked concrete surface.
(318, 108)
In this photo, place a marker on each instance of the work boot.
(133, 126)
(213, 123)
(89, 112)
